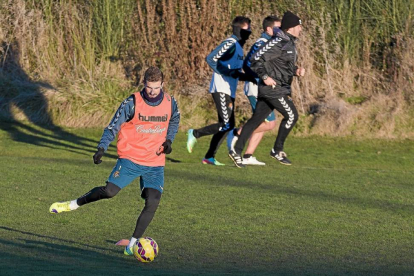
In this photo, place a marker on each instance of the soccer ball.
(145, 249)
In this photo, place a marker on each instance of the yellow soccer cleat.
(59, 207)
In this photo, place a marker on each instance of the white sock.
(73, 205)
(131, 242)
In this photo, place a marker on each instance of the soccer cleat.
(237, 159)
(252, 161)
(128, 251)
(212, 161)
(191, 140)
(232, 139)
(59, 207)
(281, 157)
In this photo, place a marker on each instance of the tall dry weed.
(75, 61)
(51, 60)
(177, 36)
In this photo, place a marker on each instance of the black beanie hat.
(290, 20)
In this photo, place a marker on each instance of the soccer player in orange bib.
(147, 123)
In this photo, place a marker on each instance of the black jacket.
(276, 59)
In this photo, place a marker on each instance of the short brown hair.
(153, 74)
(270, 21)
(239, 21)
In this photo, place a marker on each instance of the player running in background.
(147, 123)
(275, 64)
(226, 61)
(271, 26)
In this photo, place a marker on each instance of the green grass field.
(345, 207)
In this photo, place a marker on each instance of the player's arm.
(225, 48)
(268, 51)
(172, 127)
(174, 121)
(124, 114)
(247, 63)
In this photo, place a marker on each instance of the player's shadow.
(33, 253)
(19, 94)
(172, 160)
(55, 239)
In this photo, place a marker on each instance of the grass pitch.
(345, 207)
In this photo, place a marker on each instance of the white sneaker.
(252, 161)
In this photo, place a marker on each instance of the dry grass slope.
(71, 63)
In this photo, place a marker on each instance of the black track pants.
(265, 105)
(225, 111)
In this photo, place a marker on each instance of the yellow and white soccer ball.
(145, 249)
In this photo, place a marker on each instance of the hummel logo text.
(152, 118)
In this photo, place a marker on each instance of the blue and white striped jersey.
(225, 59)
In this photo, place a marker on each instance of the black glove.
(167, 146)
(235, 73)
(247, 77)
(98, 155)
(242, 76)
